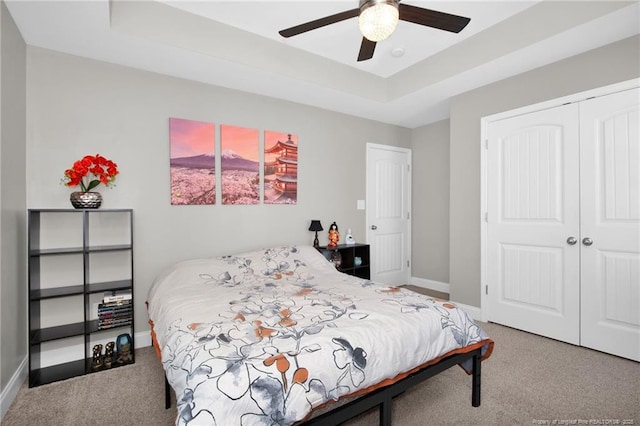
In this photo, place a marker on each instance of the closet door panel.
(610, 218)
(533, 202)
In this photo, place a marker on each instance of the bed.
(279, 336)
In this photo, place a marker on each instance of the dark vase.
(86, 200)
(124, 348)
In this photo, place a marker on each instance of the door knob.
(373, 227)
(587, 241)
(572, 240)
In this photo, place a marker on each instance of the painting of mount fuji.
(192, 162)
(240, 165)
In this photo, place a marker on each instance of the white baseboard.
(472, 311)
(143, 339)
(430, 284)
(9, 393)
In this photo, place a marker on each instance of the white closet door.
(533, 209)
(610, 208)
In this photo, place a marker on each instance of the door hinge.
(408, 215)
(486, 216)
(408, 263)
(486, 289)
(486, 144)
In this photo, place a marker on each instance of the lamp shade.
(378, 18)
(315, 226)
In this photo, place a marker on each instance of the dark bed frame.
(382, 397)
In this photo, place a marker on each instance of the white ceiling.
(341, 41)
(236, 44)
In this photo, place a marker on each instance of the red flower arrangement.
(102, 169)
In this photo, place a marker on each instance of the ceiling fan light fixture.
(378, 18)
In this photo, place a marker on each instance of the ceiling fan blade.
(366, 49)
(318, 23)
(433, 18)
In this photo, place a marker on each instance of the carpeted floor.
(528, 380)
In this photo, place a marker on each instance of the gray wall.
(430, 202)
(610, 64)
(13, 285)
(78, 106)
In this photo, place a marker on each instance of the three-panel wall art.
(247, 175)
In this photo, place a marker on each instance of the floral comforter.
(264, 337)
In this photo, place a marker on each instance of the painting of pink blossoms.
(192, 162)
(240, 165)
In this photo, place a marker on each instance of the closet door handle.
(572, 240)
(587, 241)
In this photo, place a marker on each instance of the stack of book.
(115, 309)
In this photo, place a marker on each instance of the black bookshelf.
(78, 295)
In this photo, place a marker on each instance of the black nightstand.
(349, 254)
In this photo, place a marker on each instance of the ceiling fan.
(378, 19)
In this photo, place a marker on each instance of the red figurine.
(334, 235)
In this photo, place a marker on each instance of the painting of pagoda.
(280, 168)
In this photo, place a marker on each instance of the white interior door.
(533, 278)
(610, 198)
(387, 215)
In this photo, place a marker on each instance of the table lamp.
(315, 226)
